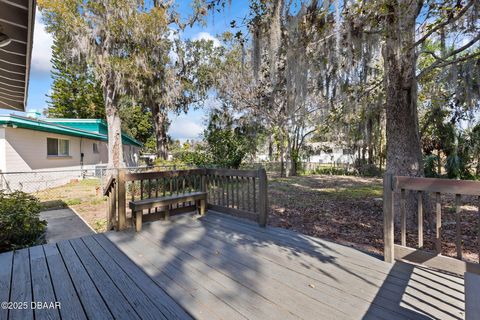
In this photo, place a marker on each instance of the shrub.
(366, 169)
(20, 224)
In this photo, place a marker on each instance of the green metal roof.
(87, 128)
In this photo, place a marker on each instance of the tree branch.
(443, 24)
(438, 63)
(442, 62)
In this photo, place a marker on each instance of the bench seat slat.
(167, 200)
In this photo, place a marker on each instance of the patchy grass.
(82, 195)
(348, 210)
(344, 209)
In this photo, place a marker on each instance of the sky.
(185, 126)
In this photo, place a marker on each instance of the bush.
(431, 165)
(365, 169)
(20, 224)
(331, 171)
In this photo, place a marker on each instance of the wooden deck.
(219, 267)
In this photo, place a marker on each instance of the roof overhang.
(17, 20)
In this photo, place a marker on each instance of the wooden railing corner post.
(204, 182)
(388, 221)
(263, 197)
(121, 197)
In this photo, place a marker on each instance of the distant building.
(30, 143)
(329, 152)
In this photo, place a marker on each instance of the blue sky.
(185, 126)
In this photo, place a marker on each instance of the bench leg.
(197, 206)
(202, 207)
(167, 213)
(138, 221)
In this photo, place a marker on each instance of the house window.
(95, 148)
(58, 147)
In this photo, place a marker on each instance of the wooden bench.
(138, 206)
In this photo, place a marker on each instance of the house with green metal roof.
(34, 143)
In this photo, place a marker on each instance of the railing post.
(122, 211)
(204, 181)
(388, 251)
(113, 194)
(112, 207)
(263, 197)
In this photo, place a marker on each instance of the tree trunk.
(161, 124)
(439, 162)
(370, 139)
(282, 157)
(404, 157)
(115, 149)
(293, 167)
(270, 149)
(289, 158)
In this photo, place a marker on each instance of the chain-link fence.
(49, 182)
(38, 181)
(273, 167)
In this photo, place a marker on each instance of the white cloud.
(206, 36)
(184, 127)
(42, 46)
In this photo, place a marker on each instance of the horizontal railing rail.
(399, 186)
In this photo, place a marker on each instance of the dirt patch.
(84, 196)
(349, 210)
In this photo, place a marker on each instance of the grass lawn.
(84, 196)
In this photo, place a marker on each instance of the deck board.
(267, 300)
(21, 286)
(188, 284)
(141, 303)
(6, 261)
(291, 281)
(92, 302)
(117, 303)
(358, 275)
(42, 284)
(161, 299)
(220, 267)
(65, 292)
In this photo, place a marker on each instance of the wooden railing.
(399, 186)
(110, 191)
(238, 192)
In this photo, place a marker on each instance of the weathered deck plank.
(142, 304)
(71, 307)
(42, 285)
(21, 290)
(162, 300)
(263, 299)
(393, 281)
(244, 274)
(184, 288)
(118, 305)
(215, 252)
(92, 302)
(6, 261)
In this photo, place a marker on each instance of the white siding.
(26, 150)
